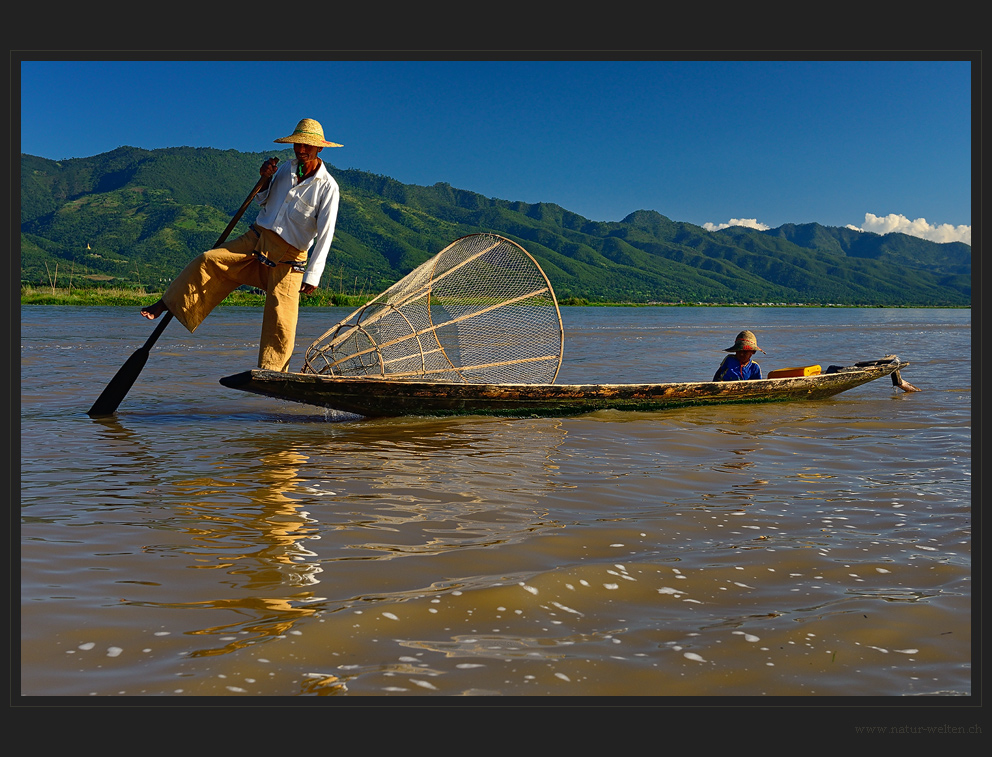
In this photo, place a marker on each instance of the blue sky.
(881, 145)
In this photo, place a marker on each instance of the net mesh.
(480, 311)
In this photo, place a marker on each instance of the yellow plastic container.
(806, 370)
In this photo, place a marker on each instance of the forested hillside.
(133, 217)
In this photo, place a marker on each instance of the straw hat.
(746, 340)
(308, 132)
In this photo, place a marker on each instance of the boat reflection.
(285, 502)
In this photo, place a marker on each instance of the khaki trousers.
(213, 275)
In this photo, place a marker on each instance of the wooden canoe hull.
(377, 397)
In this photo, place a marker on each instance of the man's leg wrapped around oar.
(260, 259)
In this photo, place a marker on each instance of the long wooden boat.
(383, 397)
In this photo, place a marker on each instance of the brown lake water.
(206, 542)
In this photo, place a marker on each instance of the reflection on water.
(251, 513)
(431, 487)
(242, 521)
(207, 544)
(246, 523)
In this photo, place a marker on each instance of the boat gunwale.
(406, 397)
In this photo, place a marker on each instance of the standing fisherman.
(299, 207)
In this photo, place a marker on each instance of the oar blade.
(120, 385)
(108, 402)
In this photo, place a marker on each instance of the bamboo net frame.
(480, 311)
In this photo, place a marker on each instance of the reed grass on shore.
(131, 297)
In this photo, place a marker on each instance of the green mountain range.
(134, 217)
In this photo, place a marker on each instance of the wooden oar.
(124, 379)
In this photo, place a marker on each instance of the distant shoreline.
(106, 297)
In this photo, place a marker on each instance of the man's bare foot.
(151, 312)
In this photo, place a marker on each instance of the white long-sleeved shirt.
(302, 213)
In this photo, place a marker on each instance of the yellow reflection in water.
(261, 541)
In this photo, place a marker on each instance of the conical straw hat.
(746, 340)
(308, 132)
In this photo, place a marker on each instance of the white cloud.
(944, 232)
(751, 223)
(889, 224)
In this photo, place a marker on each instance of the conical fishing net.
(480, 311)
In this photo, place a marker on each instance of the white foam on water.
(747, 636)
